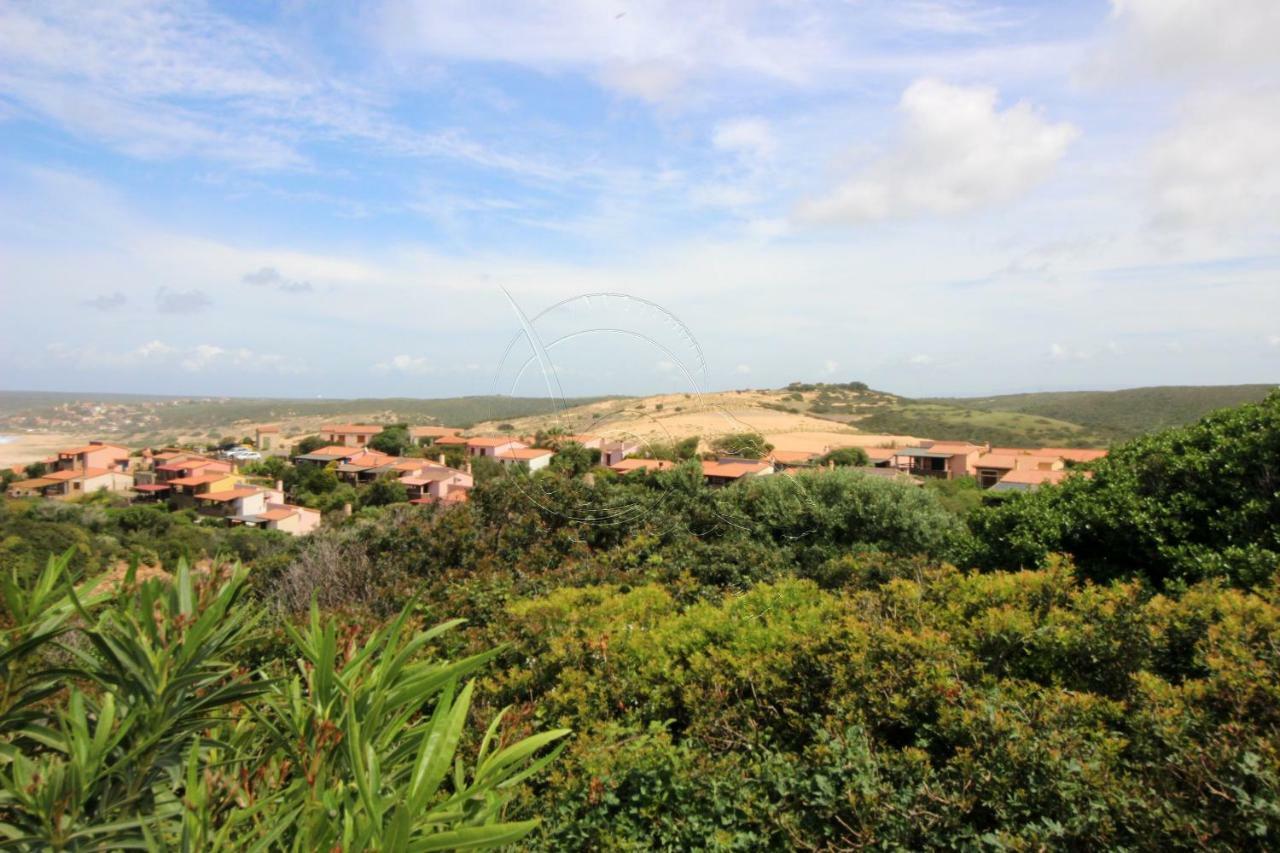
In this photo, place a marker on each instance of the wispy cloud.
(107, 301)
(271, 277)
(181, 301)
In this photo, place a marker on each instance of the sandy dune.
(26, 448)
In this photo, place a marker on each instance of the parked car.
(244, 455)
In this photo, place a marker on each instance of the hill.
(1118, 415)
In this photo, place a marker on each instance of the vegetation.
(133, 717)
(1123, 414)
(820, 661)
(746, 445)
(845, 456)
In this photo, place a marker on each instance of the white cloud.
(199, 358)
(1063, 352)
(409, 364)
(957, 152)
(750, 137)
(1188, 37)
(1218, 168)
(742, 368)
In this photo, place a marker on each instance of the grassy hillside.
(1116, 415)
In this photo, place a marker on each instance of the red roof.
(526, 453)
(1080, 454)
(733, 470)
(490, 441)
(1034, 477)
(277, 514)
(152, 487)
(76, 474)
(268, 428)
(453, 440)
(627, 465)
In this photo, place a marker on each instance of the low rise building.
(349, 435)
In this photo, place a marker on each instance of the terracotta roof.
(880, 454)
(198, 480)
(92, 448)
(268, 428)
(279, 514)
(185, 464)
(793, 455)
(452, 440)
(1006, 461)
(1077, 454)
(37, 483)
(353, 429)
(627, 465)
(152, 487)
(490, 441)
(733, 469)
(526, 453)
(1034, 477)
(334, 450)
(76, 474)
(229, 495)
(431, 475)
(432, 431)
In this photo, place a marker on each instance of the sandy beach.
(25, 448)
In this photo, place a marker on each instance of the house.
(349, 435)
(189, 465)
(436, 482)
(613, 452)
(1029, 479)
(287, 518)
(591, 442)
(783, 459)
(492, 446)
(185, 490)
(265, 435)
(31, 488)
(366, 466)
(95, 454)
(72, 482)
(722, 472)
(943, 459)
(1077, 455)
(451, 441)
(536, 458)
(626, 466)
(233, 504)
(880, 457)
(425, 436)
(991, 467)
(324, 455)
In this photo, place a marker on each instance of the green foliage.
(36, 469)
(574, 460)
(162, 740)
(272, 467)
(846, 456)
(393, 439)
(308, 443)
(383, 491)
(747, 445)
(1176, 506)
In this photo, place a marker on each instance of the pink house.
(491, 447)
(95, 454)
(349, 435)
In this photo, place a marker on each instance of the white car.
(245, 455)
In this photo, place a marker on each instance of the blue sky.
(932, 196)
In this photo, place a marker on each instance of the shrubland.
(824, 661)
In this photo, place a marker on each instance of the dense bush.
(126, 721)
(1176, 506)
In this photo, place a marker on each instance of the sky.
(936, 197)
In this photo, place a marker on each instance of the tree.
(747, 445)
(846, 456)
(274, 467)
(573, 459)
(307, 444)
(37, 469)
(394, 440)
(383, 491)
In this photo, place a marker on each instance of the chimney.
(280, 486)
(346, 510)
(440, 458)
(467, 466)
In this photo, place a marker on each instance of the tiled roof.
(199, 480)
(490, 441)
(76, 474)
(1076, 454)
(277, 514)
(229, 495)
(432, 431)
(352, 429)
(453, 440)
(93, 448)
(1034, 477)
(526, 453)
(627, 465)
(733, 470)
